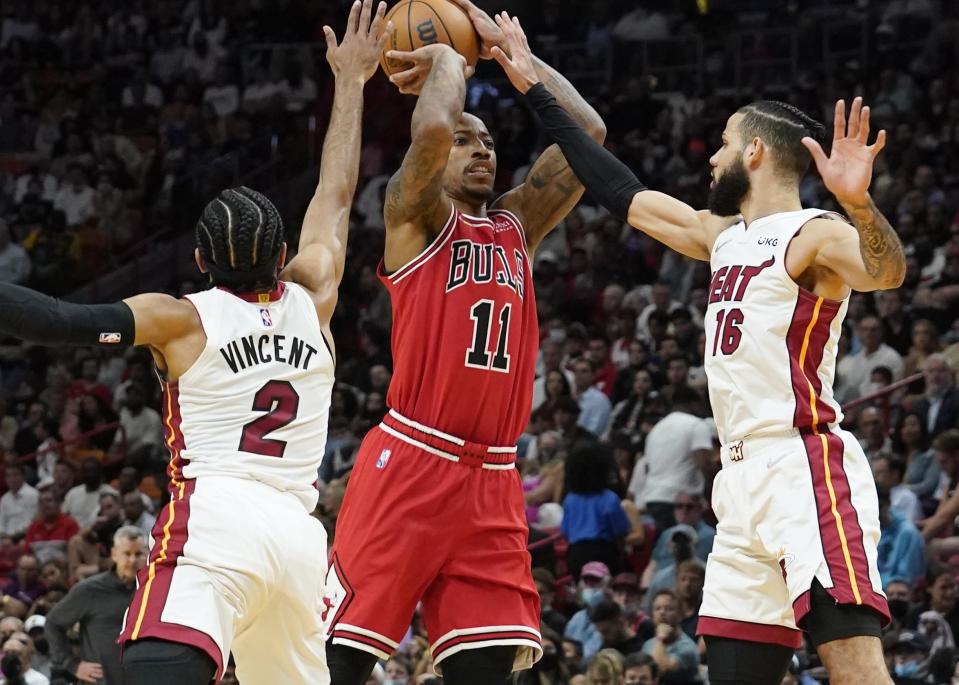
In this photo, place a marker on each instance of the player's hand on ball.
(516, 58)
(359, 53)
(490, 34)
(847, 171)
(410, 81)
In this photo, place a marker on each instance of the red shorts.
(427, 519)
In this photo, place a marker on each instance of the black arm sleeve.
(606, 178)
(39, 318)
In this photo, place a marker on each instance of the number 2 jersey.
(465, 333)
(256, 402)
(770, 345)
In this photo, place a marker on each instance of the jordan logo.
(736, 451)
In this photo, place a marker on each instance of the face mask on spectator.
(591, 595)
(907, 669)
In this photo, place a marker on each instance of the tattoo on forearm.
(567, 96)
(880, 247)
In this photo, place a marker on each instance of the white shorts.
(237, 566)
(791, 508)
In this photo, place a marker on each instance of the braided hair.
(240, 234)
(782, 127)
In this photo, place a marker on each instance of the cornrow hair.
(782, 127)
(239, 234)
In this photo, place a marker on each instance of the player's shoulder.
(825, 224)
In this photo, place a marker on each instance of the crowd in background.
(107, 107)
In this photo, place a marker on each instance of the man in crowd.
(51, 530)
(855, 370)
(26, 586)
(690, 578)
(939, 405)
(594, 582)
(136, 515)
(675, 448)
(594, 406)
(18, 505)
(873, 433)
(641, 669)
(687, 513)
(888, 473)
(902, 554)
(83, 501)
(611, 623)
(673, 651)
(98, 605)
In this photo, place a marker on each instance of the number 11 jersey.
(256, 402)
(465, 333)
(770, 345)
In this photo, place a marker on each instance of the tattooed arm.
(415, 206)
(869, 257)
(551, 189)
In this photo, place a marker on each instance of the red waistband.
(449, 445)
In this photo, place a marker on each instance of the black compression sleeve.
(606, 178)
(39, 318)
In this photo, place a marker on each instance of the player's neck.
(764, 200)
(469, 208)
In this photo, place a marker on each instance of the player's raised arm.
(320, 260)
(415, 208)
(611, 182)
(551, 188)
(870, 256)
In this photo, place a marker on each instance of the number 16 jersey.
(256, 402)
(770, 345)
(465, 333)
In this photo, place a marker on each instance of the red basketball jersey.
(465, 332)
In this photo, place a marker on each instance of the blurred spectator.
(924, 342)
(98, 605)
(675, 449)
(940, 597)
(610, 622)
(673, 651)
(594, 522)
(594, 406)
(899, 596)
(546, 587)
(606, 669)
(911, 654)
(50, 531)
(946, 450)
(26, 585)
(14, 260)
(76, 198)
(690, 578)
(912, 440)
(83, 501)
(142, 427)
(18, 505)
(136, 515)
(641, 669)
(854, 370)
(888, 473)
(17, 652)
(901, 552)
(874, 433)
(593, 584)
(939, 405)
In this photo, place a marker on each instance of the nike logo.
(775, 460)
(720, 246)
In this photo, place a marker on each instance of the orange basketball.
(423, 22)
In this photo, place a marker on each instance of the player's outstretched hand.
(410, 81)
(88, 672)
(363, 42)
(516, 58)
(490, 34)
(847, 171)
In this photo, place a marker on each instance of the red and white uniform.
(238, 562)
(796, 500)
(434, 510)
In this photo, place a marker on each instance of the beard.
(726, 196)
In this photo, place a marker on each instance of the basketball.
(423, 22)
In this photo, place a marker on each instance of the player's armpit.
(675, 224)
(162, 318)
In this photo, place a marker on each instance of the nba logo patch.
(384, 457)
(110, 338)
(266, 318)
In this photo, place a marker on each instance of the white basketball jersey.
(770, 345)
(255, 404)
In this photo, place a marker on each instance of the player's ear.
(281, 259)
(754, 153)
(199, 261)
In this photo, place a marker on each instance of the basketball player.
(238, 563)
(797, 507)
(434, 509)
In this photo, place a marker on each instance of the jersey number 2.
(280, 401)
(478, 356)
(728, 334)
